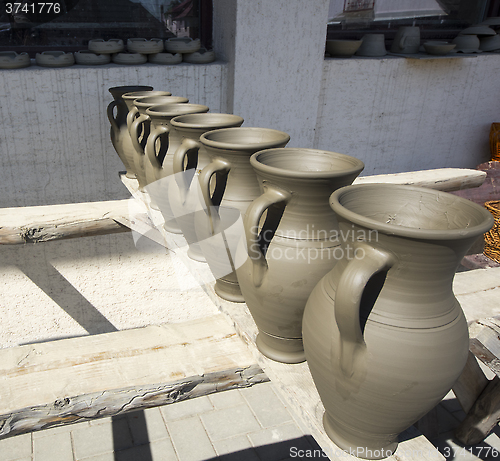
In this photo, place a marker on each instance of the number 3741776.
(456, 452)
(24, 7)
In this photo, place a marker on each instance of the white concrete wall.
(395, 114)
(275, 55)
(400, 114)
(54, 136)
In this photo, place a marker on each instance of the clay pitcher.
(384, 336)
(161, 145)
(139, 125)
(219, 228)
(188, 161)
(296, 245)
(119, 134)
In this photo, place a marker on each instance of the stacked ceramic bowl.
(189, 50)
(468, 40)
(342, 48)
(99, 51)
(12, 60)
(54, 59)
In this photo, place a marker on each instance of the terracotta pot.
(295, 246)
(139, 126)
(161, 145)
(384, 336)
(183, 189)
(120, 137)
(220, 227)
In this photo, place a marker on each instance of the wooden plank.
(482, 417)
(118, 401)
(293, 382)
(470, 384)
(38, 374)
(45, 223)
(485, 342)
(444, 179)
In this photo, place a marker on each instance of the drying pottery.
(489, 43)
(342, 48)
(12, 60)
(165, 58)
(202, 56)
(182, 45)
(111, 46)
(188, 161)
(477, 30)
(407, 40)
(467, 44)
(54, 59)
(161, 145)
(129, 99)
(120, 137)
(220, 227)
(372, 45)
(439, 48)
(129, 58)
(297, 244)
(143, 46)
(89, 58)
(384, 336)
(139, 126)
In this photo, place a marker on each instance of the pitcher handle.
(271, 196)
(348, 295)
(189, 148)
(132, 115)
(111, 116)
(135, 132)
(150, 149)
(221, 169)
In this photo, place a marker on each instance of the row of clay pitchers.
(355, 279)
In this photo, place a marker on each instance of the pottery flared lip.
(399, 197)
(159, 100)
(172, 110)
(145, 93)
(244, 138)
(203, 121)
(295, 162)
(121, 90)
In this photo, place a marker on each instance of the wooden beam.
(444, 179)
(470, 384)
(39, 382)
(52, 222)
(482, 417)
(114, 402)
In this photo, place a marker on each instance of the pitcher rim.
(178, 123)
(245, 146)
(356, 168)
(402, 231)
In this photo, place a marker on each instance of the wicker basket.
(492, 237)
(495, 141)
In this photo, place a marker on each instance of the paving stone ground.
(249, 424)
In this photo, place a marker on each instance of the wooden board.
(40, 384)
(293, 382)
(445, 179)
(45, 223)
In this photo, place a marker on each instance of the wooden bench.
(479, 397)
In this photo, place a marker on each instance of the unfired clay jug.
(220, 227)
(139, 125)
(188, 161)
(384, 336)
(161, 145)
(296, 246)
(120, 137)
(407, 40)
